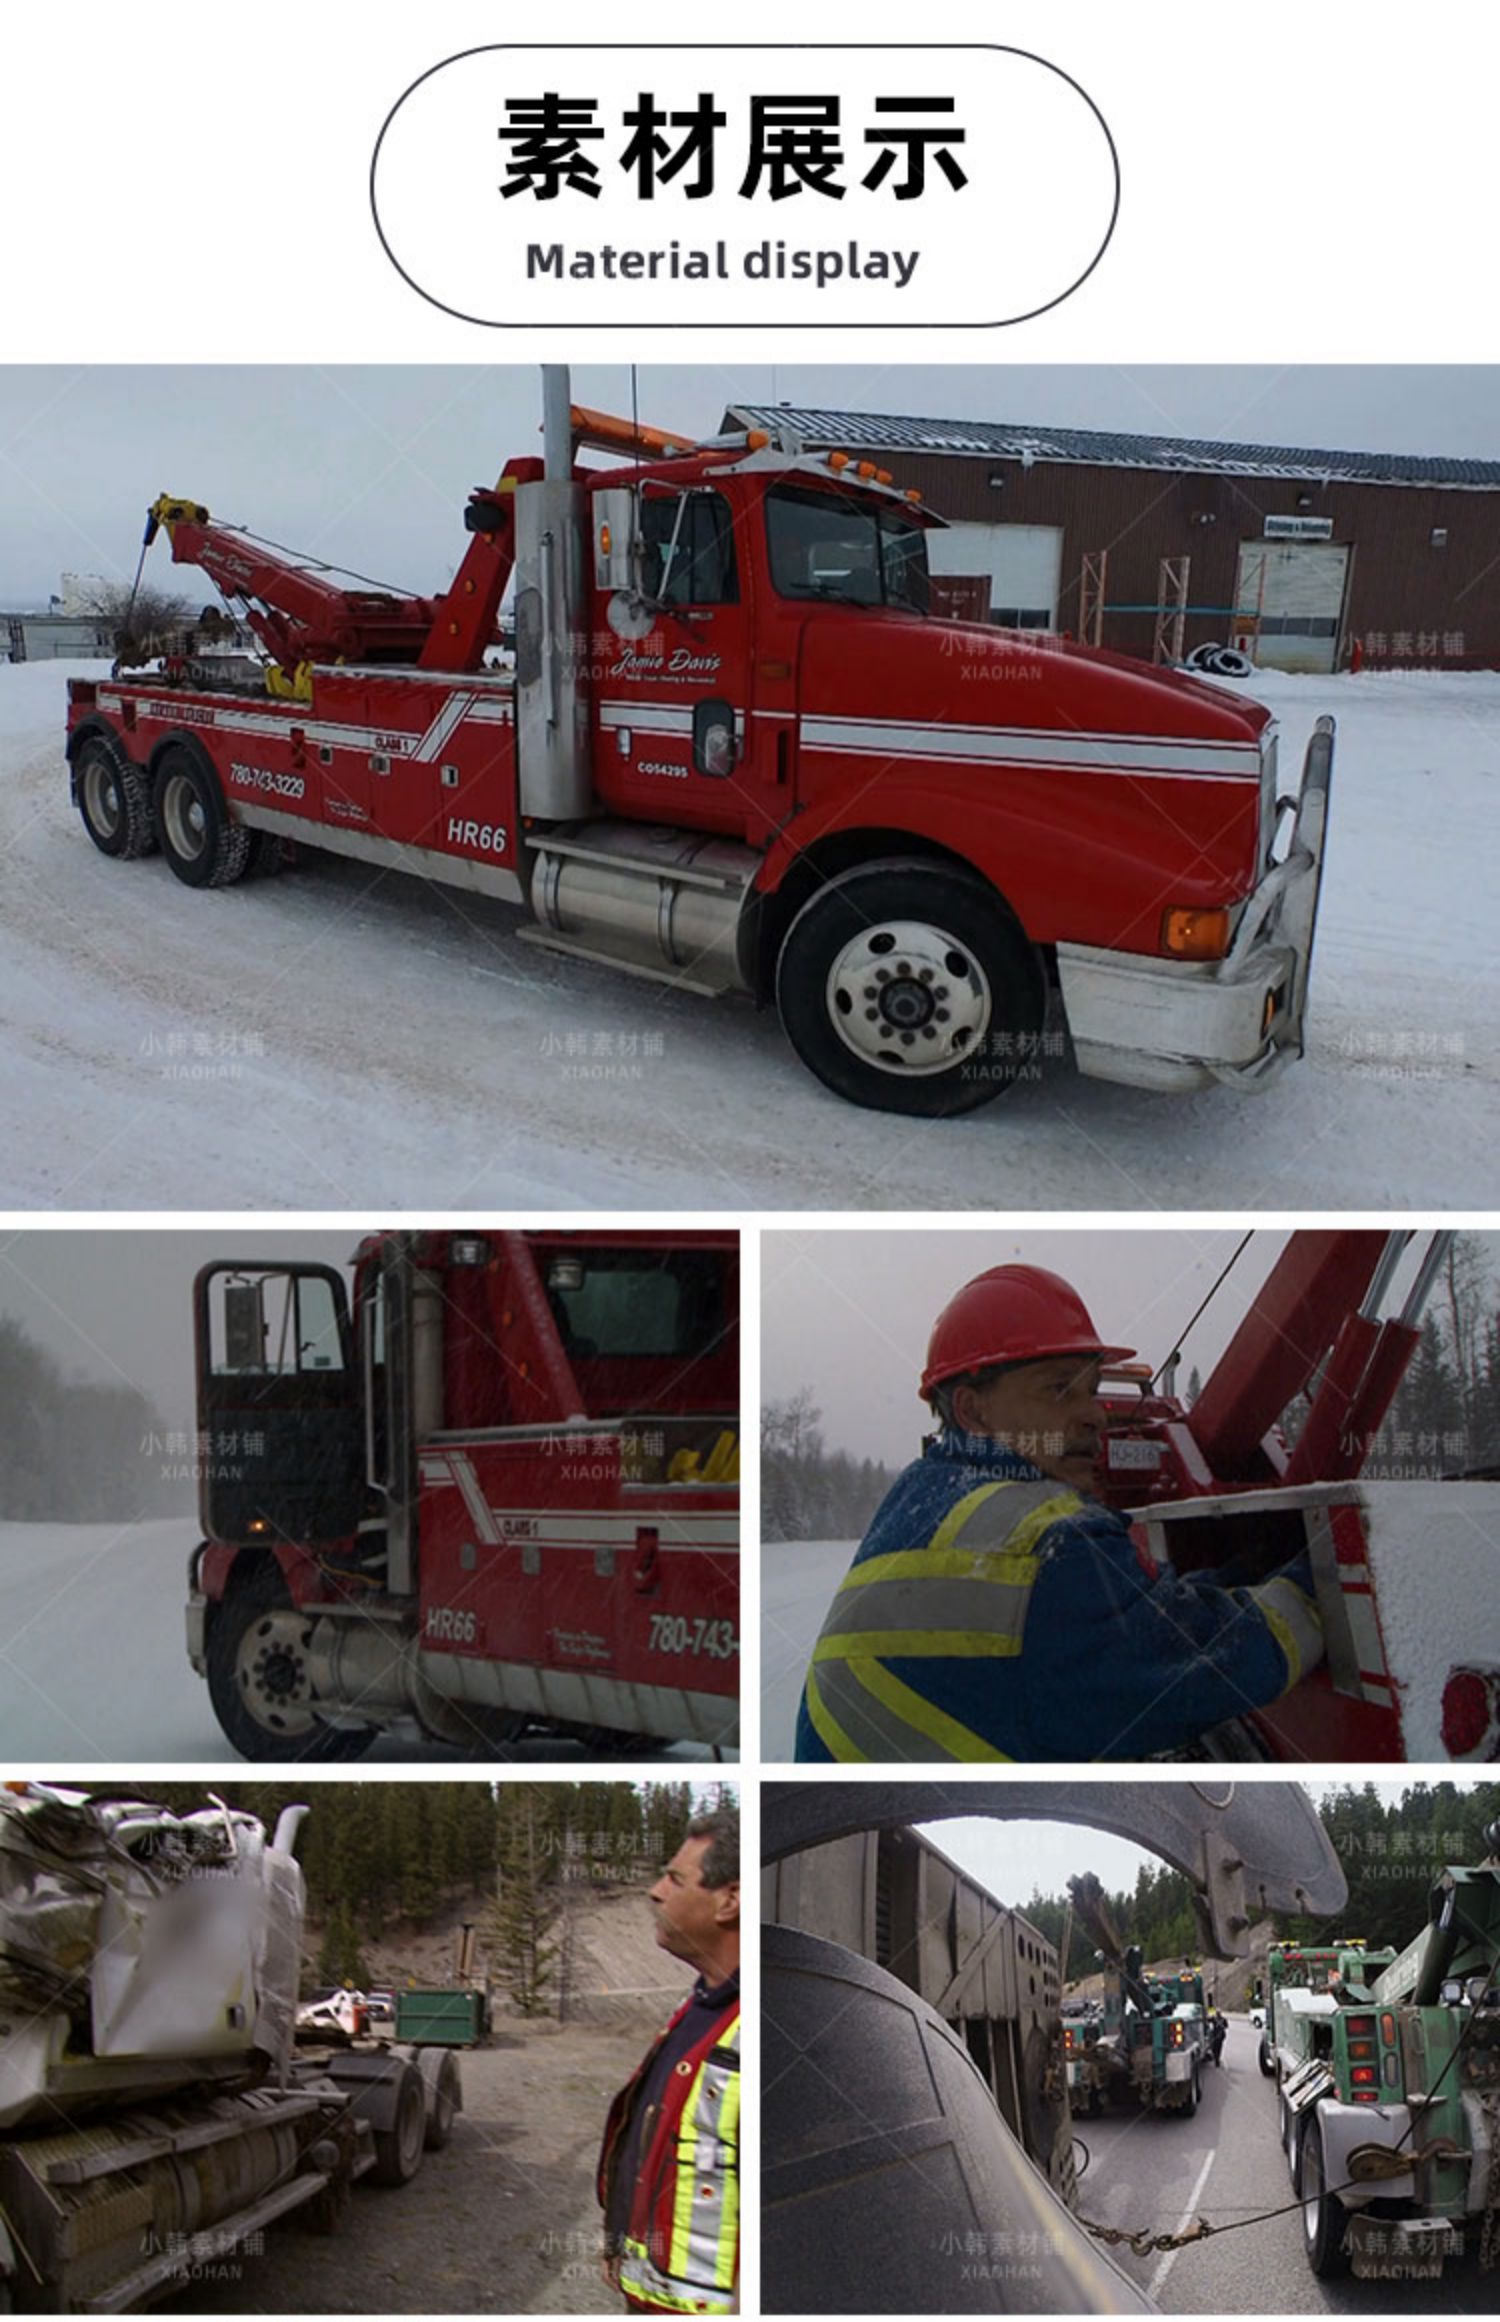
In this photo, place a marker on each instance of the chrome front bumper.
(1168, 1024)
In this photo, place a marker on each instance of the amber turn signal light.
(1187, 933)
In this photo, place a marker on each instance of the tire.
(444, 2094)
(909, 987)
(1266, 2058)
(399, 2148)
(1194, 2095)
(257, 1679)
(114, 800)
(193, 829)
(1323, 2219)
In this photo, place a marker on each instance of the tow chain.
(1143, 2243)
(1366, 2163)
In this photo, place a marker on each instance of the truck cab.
(498, 1491)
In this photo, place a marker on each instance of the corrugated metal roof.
(1002, 439)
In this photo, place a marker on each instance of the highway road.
(1160, 2171)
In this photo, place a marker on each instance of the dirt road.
(504, 2219)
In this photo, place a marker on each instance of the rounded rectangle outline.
(755, 48)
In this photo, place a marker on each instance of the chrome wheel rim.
(908, 999)
(183, 818)
(101, 797)
(271, 1673)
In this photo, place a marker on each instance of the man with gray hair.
(669, 2165)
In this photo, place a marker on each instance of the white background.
(1299, 185)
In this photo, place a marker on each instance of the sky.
(848, 1313)
(118, 1307)
(370, 467)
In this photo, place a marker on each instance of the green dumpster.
(440, 2019)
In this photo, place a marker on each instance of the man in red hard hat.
(996, 1610)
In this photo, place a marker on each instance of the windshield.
(845, 547)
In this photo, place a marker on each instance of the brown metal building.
(1154, 544)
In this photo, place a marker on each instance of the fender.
(182, 738)
(211, 1566)
(96, 727)
(1078, 861)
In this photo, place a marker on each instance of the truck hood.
(963, 673)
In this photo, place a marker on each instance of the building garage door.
(1021, 562)
(1290, 601)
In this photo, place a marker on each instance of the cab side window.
(698, 567)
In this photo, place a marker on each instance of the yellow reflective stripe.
(827, 1728)
(1294, 1623)
(939, 1564)
(919, 1645)
(1030, 1528)
(959, 1514)
(686, 2183)
(729, 2134)
(958, 1740)
(705, 2131)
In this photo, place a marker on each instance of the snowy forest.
(1391, 1851)
(80, 1451)
(1445, 1420)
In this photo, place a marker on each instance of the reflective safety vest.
(680, 2247)
(937, 1651)
(964, 1596)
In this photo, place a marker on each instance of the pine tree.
(521, 1928)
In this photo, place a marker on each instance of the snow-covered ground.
(344, 1038)
(93, 1659)
(797, 1581)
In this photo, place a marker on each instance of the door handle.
(646, 1577)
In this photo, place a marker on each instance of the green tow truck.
(1388, 2073)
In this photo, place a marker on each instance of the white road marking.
(1183, 2222)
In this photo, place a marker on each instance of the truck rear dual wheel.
(193, 829)
(909, 987)
(114, 800)
(439, 2068)
(257, 1679)
(1323, 2218)
(399, 2148)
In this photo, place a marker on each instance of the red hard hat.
(1012, 1314)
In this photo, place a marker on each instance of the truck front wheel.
(113, 800)
(909, 987)
(257, 1677)
(1323, 2219)
(193, 828)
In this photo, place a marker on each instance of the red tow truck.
(734, 752)
(1269, 1459)
(499, 1495)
